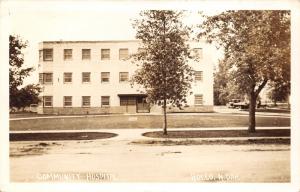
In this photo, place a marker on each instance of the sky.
(52, 21)
(37, 21)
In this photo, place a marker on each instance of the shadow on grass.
(60, 136)
(219, 133)
(169, 142)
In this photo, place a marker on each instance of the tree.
(19, 97)
(162, 70)
(256, 46)
(224, 87)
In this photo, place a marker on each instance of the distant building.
(92, 77)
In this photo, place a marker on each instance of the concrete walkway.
(134, 134)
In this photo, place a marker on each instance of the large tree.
(256, 45)
(19, 97)
(163, 69)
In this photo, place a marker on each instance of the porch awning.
(132, 95)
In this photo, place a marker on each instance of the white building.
(90, 77)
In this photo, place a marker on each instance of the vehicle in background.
(237, 104)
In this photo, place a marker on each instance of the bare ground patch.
(37, 149)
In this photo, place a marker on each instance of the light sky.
(37, 21)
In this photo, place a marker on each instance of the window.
(47, 101)
(67, 54)
(45, 78)
(123, 76)
(86, 54)
(67, 101)
(198, 75)
(48, 54)
(104, 101)
(198, 99)
(198, 53)
(86, 101)
(40, 55)
(105, 54)
(67, 77)
(86, 77)
(123, 54)
(104, 77)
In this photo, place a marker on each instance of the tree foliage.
(162, 70)
(19, 97)
(257, 48)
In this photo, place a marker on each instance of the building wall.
(58, 89)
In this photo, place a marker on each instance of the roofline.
(104, 41)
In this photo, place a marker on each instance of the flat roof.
(104, 41)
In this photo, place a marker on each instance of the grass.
(213, 142)
(59, 136)
(220, 133)
(146, 121)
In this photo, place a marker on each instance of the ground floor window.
(86, 101)
(67, 101)
(104, 101)
(47, 101)
(198, 99)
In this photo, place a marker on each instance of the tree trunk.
(252, 106)
(165, 117)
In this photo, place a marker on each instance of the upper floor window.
(86, 54)
(47, 54)
(104, 101)
(198, 53)
(67, 77)
(198, 75)
(45, 78)
(105, 54)
(86, 77)
(86, 101)
(67, 54)
(67, 101)
(40, 55)
(124, 76)
(123, 54)
(198, 99)
(47, 101)
(104, 77)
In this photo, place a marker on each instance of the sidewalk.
(134, 134)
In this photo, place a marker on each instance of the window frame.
(198, 52)
(102, 73)
(89, 101)
(44, 101)
(104, 56)
(68, 56)
(197, 99)
(120, 77)
(43, 78)
(68, 101)
(68, 82)
(82, 77)
(105, 97)
(201, 76)
(121, 56)
(45, 53)
(85, 56)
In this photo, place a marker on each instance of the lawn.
(220, 133)
(146, 121)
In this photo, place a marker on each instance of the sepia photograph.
(130, 96)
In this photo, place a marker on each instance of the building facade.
(92, 77)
